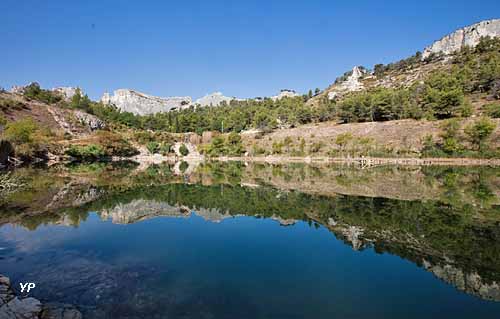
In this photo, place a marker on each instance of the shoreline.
(369, 161)
(363, 161)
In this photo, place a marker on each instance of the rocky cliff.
(143, 104)
(67, 92)
(468, 36)
(214, 99)
(351, 84)
(284, 93)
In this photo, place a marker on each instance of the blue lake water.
(158, 253)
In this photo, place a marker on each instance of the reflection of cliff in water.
(139, 209)
(444, 220)
(457, 272)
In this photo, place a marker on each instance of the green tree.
(479, 132)
(183, 150)
(234, 146)
(450, 136)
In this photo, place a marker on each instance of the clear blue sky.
(243, 48)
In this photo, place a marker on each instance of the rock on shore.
(14, 307)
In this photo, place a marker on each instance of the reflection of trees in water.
(456, 232)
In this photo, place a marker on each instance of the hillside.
(407, 72)
(443, 103)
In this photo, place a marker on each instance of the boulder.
(13, 307)
(89, 120)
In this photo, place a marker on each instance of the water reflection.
(442, 219)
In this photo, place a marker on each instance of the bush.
(28, 138)
(316, 147)
(183, 150)
(86, 152)
(153, 147)
(165, 148)
(34, 92)
(115, 145)
(450, 136)
(3, 120)
(8, 105)
(234, 145)
(492, 109)
(277, 148)
(21, 131)
(343, 139)
(479, 132)
(217, 146)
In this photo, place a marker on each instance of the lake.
(240, 240)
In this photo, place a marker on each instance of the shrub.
(165, 148)
(8, 104)
(479, 132)
(86, 152)
(217, 146)
(234, 145)
(492, 109)
(34, 92)
(3, 120)
(153, 147)
(29, 139)
(256, 150)
(466, 108)
(343, 139)
(21, 131)
(316, 147)
(115, 145)
(143, 137)
(450, 136)
(183, 166)
(183, 150)
(277, 147)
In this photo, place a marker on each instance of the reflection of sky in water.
(241, 268)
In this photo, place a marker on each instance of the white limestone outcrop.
(67, 92)
(351, 84)
(285, 93)
(470, 282)
(143, 104)
(468, 36)
(214, 99)
(91, 121)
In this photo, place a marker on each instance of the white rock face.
(470, 282)
(67, 92)
(92, 121)
(284, 93)
(350, 85)
(143, 104)
(468, 36)
(140, 209)
(214, 99)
